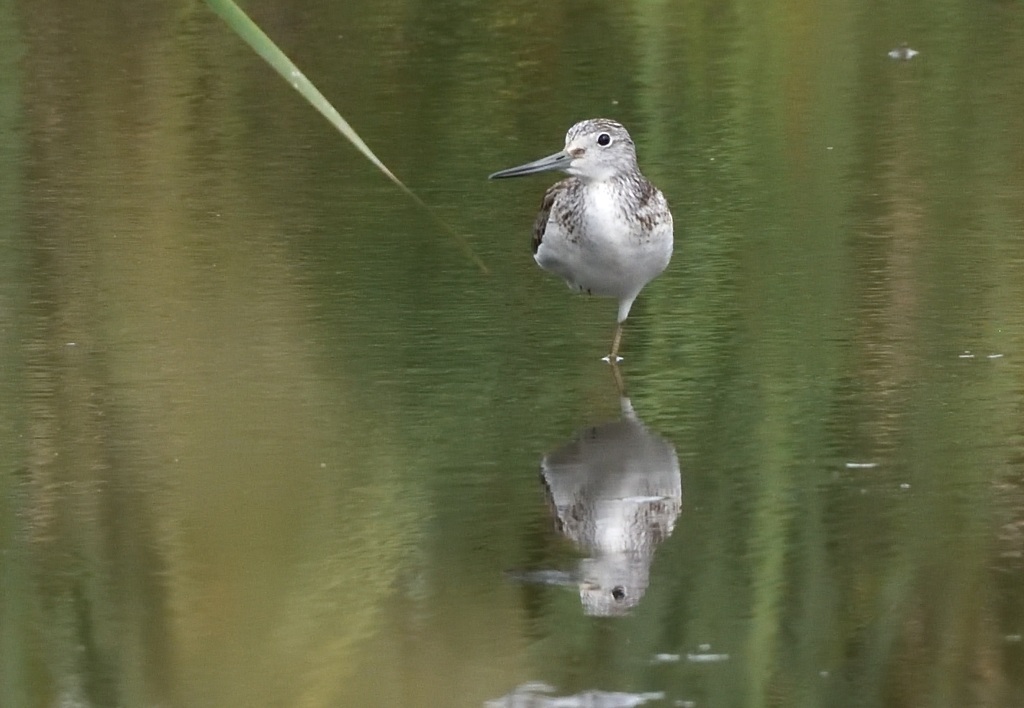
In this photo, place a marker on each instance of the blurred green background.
(268, 437)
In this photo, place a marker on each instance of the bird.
(605, 229)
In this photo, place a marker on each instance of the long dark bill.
(559, 161)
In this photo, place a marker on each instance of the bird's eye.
(604, 139)
(618, 592)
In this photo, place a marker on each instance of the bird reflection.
(615, 490)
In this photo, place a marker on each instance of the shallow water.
(271, 439)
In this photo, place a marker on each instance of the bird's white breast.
(604, 252)
(605, 224)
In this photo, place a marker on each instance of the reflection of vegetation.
(849, 580)
(17, 660)
(197, 502)
(229, 340)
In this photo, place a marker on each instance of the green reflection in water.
(279, 446)
(17, 660)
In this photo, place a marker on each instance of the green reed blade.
(265, 47)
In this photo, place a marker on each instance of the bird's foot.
(611, 359)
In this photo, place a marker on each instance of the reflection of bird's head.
(613, 583)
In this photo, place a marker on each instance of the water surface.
(271, 439)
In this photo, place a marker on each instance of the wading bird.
(605, 229)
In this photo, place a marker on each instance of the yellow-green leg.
(614, 356)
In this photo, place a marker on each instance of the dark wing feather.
(541, 223)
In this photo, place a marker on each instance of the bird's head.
(595, 150)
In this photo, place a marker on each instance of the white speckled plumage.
(605, 229)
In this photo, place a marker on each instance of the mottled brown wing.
(541, 223)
